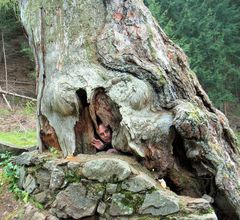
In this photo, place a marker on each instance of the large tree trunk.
(110, 60)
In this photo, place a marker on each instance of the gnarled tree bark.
(111, 60)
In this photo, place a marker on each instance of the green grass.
(19, 139)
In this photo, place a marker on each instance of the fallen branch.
(8, 104)
(17, 82)
(5, 99)
(17, 95)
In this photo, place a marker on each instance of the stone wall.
(102, 186)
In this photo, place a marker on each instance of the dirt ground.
(19, 119)
(9, 205)
(20, 69)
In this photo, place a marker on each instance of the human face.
(104, 133)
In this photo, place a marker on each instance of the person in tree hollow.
(105, 142)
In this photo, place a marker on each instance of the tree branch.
(17, 95)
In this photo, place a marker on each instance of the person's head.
(105, 133)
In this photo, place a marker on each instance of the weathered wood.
(138, 81)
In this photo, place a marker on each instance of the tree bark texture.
(110, 60)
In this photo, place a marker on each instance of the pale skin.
(105, 134)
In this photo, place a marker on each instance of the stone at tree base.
(73, 202)
(29, 184)
(83, 197)
(28, 158)
(42, 197)
(43, 178)
(139, 183)
(101, 208)
(159, 203)
(197, 217)
(14, 150)
(208, 198)
(118, 207)
(57, 178)
(106, 170)
(22, 176)
(95, 191)
(111, 188)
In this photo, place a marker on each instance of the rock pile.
(102, 187)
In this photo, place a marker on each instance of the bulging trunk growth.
(110, 60)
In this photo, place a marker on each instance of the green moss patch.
(132, 200)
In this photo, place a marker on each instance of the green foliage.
(7, 4)
(72, 176)
(9, 22)
(26, 51)
(10, 176)
(5, 158)
(30, 108)
(55, 152)
(209, 33)
(132, 200)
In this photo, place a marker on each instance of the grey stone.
(50, 165)
(57, 178)
(111, 188)
(198, 208)
(159, 203)
(208, 198)
(118, 207)
(208, 216)
(73, 202)
(11, 148)
(57, 212)
(95, 191)
(30, 158)
(101, 208)
(106, 170)
(22, 176)
(198, 204)
(43, 178)
(73, 165)
(27, 158)
(42, 197)
(139, 183)
(29, 184)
